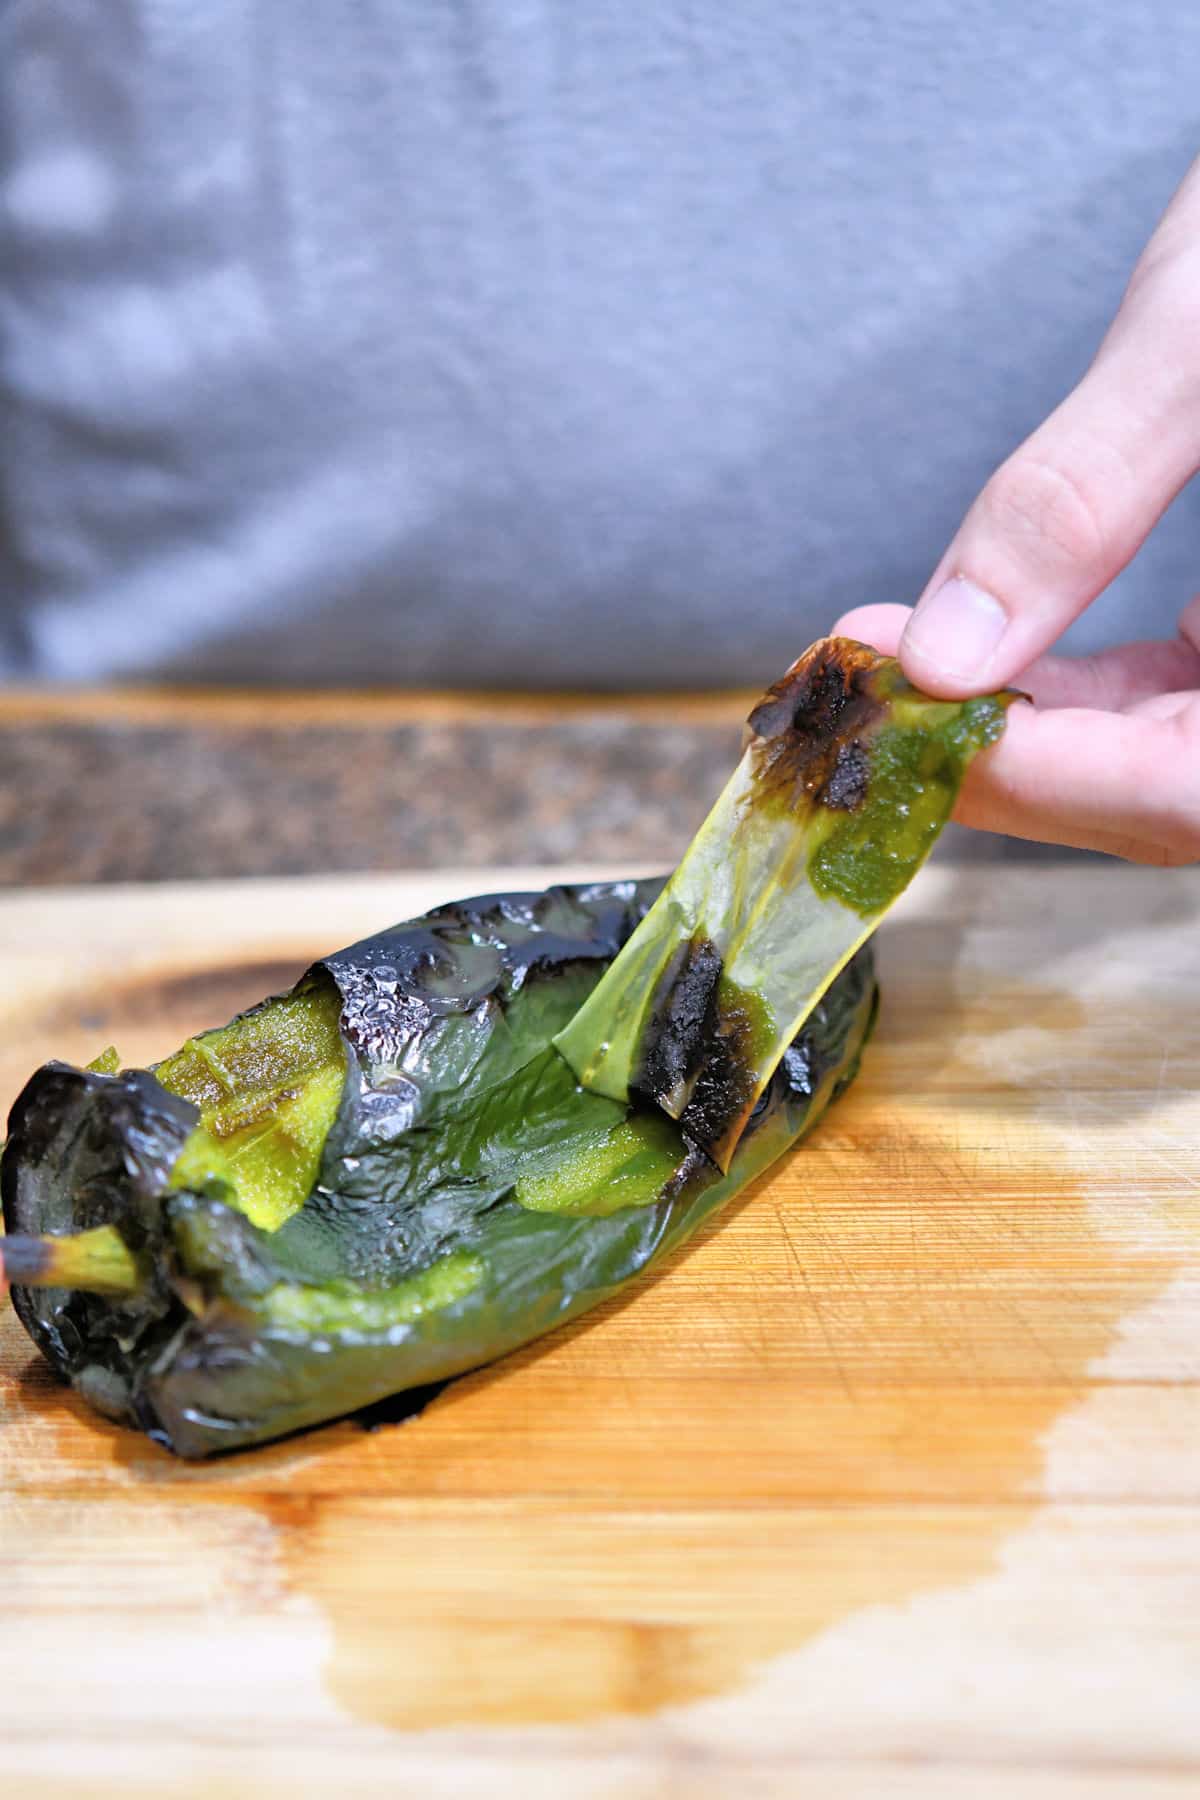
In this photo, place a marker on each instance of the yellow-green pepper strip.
(340, 1306)
(98, 1261)
(267, 1086)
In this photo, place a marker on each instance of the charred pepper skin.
(472, 994)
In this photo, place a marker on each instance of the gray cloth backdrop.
(603, 344)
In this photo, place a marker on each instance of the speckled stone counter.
(158, 785)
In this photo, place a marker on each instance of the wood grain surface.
(889, 1486)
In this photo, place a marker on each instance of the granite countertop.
(145, 785)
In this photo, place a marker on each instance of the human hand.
(1108, 756)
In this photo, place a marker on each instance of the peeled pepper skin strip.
(464, 1198)
(847, 778)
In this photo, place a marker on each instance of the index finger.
(1117, 782)
(1067, 511)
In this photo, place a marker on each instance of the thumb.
(1072, 505)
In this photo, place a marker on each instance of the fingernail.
(957, 629)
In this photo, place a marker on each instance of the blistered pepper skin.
(201, 1358)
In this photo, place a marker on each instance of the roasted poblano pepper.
(457, 1134)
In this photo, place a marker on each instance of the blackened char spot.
(681, 1024)
(698, 1058)
(724, 1086)
(397, 1409)
(810, 730)
(846, 788)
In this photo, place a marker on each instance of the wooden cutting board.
(890, 1485)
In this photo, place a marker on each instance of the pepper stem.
(99, 1261)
